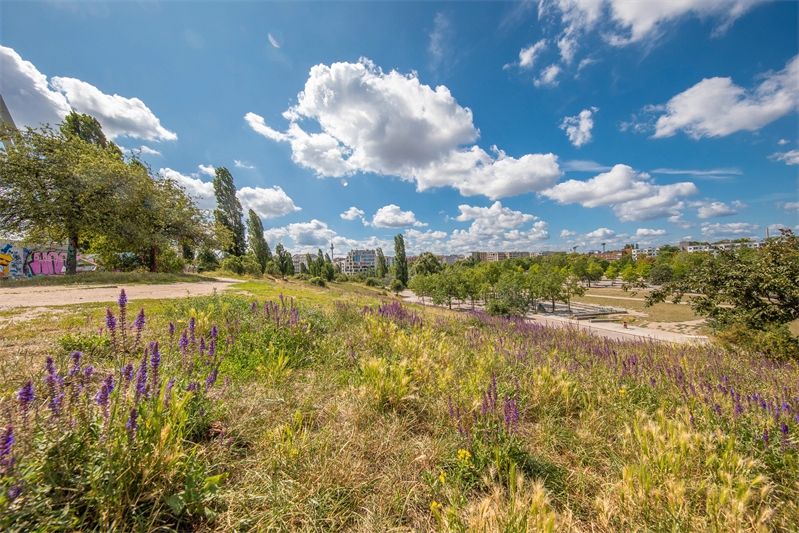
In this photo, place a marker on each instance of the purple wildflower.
(25, 396)
(123, 310)
(191, 387)
(127, 373)
(171, 330)
(111, 324)
(202, 346)
(14, 491)
(212, 348)
(54, 385)
(132, 424)
(168, 391)
(141, 381)
(214, 332)
(123, 300)
(183, 342)
(6, 443)
(155, 363)
(211, 379)
(75, 370)
(88, 372)
(139, 324)
(103, 394)
(511, 412)
(192, 328)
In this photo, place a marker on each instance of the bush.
(373, 282)
(319, 282)
(775, 341)
(397, 286)
(170, 262)
(342, 278)
(250, 266)
(207, 260)
(232, 264)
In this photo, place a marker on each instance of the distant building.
(644, 252)
(358, 261)
(692, 246)
(449, 259)
(299, 261)
(499, 256)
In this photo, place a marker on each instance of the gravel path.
(17, 297)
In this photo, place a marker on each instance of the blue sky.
(512, 126)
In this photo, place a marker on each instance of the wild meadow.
(288, 407)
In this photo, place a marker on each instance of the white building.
(358, 261)
(299, 261)
(644, 252)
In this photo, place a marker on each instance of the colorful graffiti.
(19, 261)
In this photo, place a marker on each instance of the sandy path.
(17, 297)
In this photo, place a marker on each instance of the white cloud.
(580, 165)
(647, 232)
(392, 124)
(208, 170)
(566, 233)
(267, 202)
(33, 101)
(791, 157)
(391, 216)
(782, 142)
(716, 107)
(600, 233)
(352, 213)
(202, 192)
(713, 174)
(528, 55)
(497, 228)
(548, 77)
(729, 230)
(273, 40)
(717, 209)
(791, 206)
(632, 195)
(439, 38)
(243, 164)
(578, 127)
(271, 202)
(146, 150)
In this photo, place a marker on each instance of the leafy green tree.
(612, 272)
(258, 245)
(283, 261)
(571, 287)
(593, 272)
(629, 274)
(381, 268)
(58, 187)
(661, 272)
(749, 296)
(400, 262)
(426, 263)
(228, 214)
(549, 284)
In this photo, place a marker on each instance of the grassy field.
(103, 278)
(661, 312)
(291, 407)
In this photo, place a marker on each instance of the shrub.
(373, 282)
(170, 262)
(232, 264)
(397, 286)
(319, 282)
(207, 260)
(250, 266)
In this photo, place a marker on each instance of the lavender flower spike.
(155, 363)
(6, 443)
(25, 396)
(132, 424)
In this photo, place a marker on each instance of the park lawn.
(404, 418)
(660, 312)
(105, 278)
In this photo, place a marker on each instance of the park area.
(273, 404)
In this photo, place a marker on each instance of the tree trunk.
(152, 260)
(72, 255)
(553, 305)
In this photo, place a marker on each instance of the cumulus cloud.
(716, 107)
(647, 232)
(528, 55)
(566, 233)
(790, 206)
(391, 216)
(371, 121)
(202, 192)
(548, 76)
(717, 209)
(146, 150)
(632, 195)
(578, 127)
(497, 228)
(732, 229)
(791, 157)
(600, 234)
(352, 213)
(269, 202)
(208, 170)
(33, 100)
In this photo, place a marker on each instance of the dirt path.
(12, 298)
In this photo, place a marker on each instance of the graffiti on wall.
(22, 262)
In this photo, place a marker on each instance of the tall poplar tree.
(228, 214)
(400, 263)
(258, 245)
(380, 264)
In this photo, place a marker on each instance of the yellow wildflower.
(435, 507)
(442, 477)
(464, 455)
(622, 391)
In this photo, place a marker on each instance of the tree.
(751, 295)
(381, 269)
(228, 214)
(258, 245)
(400, 263)
(58, 187)
(85, 127)
(572, 287)
(593, 272)
(283, 260)
(426, 263)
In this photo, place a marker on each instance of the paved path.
(49, 296)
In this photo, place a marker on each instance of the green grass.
(348, 420)
(661, 312)
(104, 278)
